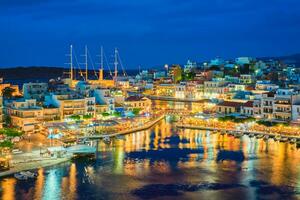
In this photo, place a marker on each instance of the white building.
(25, 114)
(104, 97)
(243, 60)
(69, 104)
(35, 91)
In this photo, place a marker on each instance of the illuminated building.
(70, 104)
(25, 114)
(229, 107)
(35, 91)
(142, 103)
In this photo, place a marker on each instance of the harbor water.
(168, 163)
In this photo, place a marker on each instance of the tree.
(105, 114)
(6, 144)
(136, 111)
(7, 120)
(11, 132)
(117, 114)
(87, 116)
(75, 117)
(8, 92)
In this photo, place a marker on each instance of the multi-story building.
(296, 113)
(70, 104)
(165, 90)
(277, 106)
(267, 105)
(246, 79)
(283, 104)
(189, 66)
(25, 114)
(180, 90)
(104, 100)
(247, 109)
(215, 88)
(36, 91)
(229, 107)
(243, 60)
(142, 103)
(84, 88)
(266, 85)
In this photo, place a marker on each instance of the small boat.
(266, 137)
(20, 176)
(238, 135)
(120, 137)
(277, 138)
(230, 132)
(293, 140)
(251, 135)
(284, 139)
(106, 140)
(29, 174)
(259, 136)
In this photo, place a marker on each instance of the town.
(245, 95)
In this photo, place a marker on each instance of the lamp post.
(8, 157)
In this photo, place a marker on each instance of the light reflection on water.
(188, 164)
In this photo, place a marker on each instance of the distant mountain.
(33, 74)
(290, 59)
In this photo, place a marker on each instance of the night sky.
(147, 32)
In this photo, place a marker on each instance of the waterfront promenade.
(31, 161)
(165, 98)
(247, 132)
(145, 126)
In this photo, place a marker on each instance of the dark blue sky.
(147, 32)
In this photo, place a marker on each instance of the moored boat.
(266, 137)
(106, 139)
(293, 140)
(20, 176)
(25, 175)
(277, 138)
(259, 136)
(284, 139)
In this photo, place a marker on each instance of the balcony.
(282, 111)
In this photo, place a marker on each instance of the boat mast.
(101, 65)
(86, 64)
(71, 62)
(116, 64)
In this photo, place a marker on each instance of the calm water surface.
(166, 163)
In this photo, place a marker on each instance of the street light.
(8, 158)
